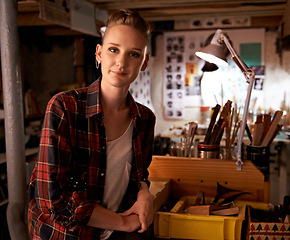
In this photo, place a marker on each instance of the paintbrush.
(216, 110)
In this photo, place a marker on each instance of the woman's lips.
(119, 73)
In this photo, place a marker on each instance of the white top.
(119, 160)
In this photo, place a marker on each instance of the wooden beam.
(110, 5)
(189, 13)
(28, 14)
(28, 6)
(264, 13)
(273, 21)
(31, 19)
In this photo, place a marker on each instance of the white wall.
(156, 73)
(277, 75)
(277, 81)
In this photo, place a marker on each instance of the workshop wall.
(276, 84)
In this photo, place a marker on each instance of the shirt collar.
(93, 99)
(94, 105)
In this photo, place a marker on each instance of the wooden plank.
(159, 14)
(172, 3)
(160, 190)
(191, 175)
(272, 128)
(267, 124)
(31, 19)
(269, 14)
(28, 6)
(257, 133)
(192, 1)
(265, 21)
(247, 10)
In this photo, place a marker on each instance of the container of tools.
(206, 151)
(261, 135)
(260, 156)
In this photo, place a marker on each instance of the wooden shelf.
(28, 6)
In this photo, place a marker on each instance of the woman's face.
(122, 55)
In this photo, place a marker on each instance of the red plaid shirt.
(68, 179)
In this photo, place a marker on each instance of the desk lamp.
(214, 53)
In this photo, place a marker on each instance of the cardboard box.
(262, 230)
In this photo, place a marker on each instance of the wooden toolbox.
(178, 177)
(191, 175)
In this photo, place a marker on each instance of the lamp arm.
(250, 77)
(240, 63)
(243, 124)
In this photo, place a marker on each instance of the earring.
(98, 64)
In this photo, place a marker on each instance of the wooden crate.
(190, 175)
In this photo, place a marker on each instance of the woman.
(91, 178)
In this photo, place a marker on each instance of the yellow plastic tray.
(177, 224)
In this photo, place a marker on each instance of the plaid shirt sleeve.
(147, 146)
(143, 141)
(53, 193)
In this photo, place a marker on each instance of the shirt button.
(103, 147)
(102, 174)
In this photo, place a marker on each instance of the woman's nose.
(121, 60)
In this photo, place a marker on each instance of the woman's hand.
(143, 207)
(130, 223)
(106, 219)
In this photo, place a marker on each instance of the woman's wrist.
(129, 223)
(144, 190)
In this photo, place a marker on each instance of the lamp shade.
(213, 53)
(209, 67)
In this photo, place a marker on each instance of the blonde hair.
(129, 18)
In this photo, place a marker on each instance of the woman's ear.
(145, 63)
(98, 53)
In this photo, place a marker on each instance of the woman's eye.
(113, 50)
(134, 54)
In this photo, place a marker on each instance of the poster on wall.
(140, 89)
(174, 81)
(186, 85)
(181, 74)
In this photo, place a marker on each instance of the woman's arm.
(143, 207)
(106, 219)
(53, 170)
